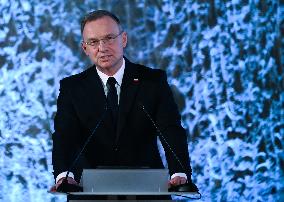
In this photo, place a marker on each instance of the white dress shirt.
(118, 77)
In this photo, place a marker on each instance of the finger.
(182, 180)
(175, 181)
(172, 181)
(71, 181)
(53, 188)
(178, 180)
(57, 184)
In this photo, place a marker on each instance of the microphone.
(65, 186)
(187, 187)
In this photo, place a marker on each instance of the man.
(126, 136)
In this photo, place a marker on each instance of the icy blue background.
(223, 59)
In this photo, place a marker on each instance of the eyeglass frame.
(106, 40)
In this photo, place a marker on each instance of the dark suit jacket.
(81, 104)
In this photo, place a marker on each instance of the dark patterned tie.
(112, 99)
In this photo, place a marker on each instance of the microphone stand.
(189, 186)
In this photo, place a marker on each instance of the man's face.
(107, 54)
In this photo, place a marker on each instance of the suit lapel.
(128, 93)
(96, 96)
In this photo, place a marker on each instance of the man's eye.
(94, 42)
(109, 38)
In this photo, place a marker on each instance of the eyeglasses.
(108, 40)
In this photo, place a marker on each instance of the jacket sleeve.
(169, 122)
(66, 126)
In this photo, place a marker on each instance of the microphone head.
(140, 104)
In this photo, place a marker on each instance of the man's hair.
(94, 15)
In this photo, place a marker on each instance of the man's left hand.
(177, 181)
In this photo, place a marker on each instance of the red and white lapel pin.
(136, 81)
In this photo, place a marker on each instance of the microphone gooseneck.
(189, 186)
(163, 138)
(87, 141)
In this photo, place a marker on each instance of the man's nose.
(101, 45)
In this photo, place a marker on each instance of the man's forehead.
(91, 37)
(101, 27)
(105, 21)
(94, 35)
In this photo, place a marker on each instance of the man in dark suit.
(126, 136)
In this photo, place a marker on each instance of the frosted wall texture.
(224, 62)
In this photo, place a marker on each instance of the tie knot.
(111, 81)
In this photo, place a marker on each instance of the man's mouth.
(105, 57)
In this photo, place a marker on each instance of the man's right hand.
(69, 179)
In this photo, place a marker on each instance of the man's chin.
(105, 62)
(105, 65)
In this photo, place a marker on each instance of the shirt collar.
(118, 75)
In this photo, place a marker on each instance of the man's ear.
(124, 39)
(84, 47)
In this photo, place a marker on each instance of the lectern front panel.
(125, 180)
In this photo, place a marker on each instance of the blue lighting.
(223, 61)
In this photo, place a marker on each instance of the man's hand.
(69, 179)
(177, 181)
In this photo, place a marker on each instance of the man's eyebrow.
(108, 35)
(92, 39)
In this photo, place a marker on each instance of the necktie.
(112, 99)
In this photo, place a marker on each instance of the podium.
(125, 184)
